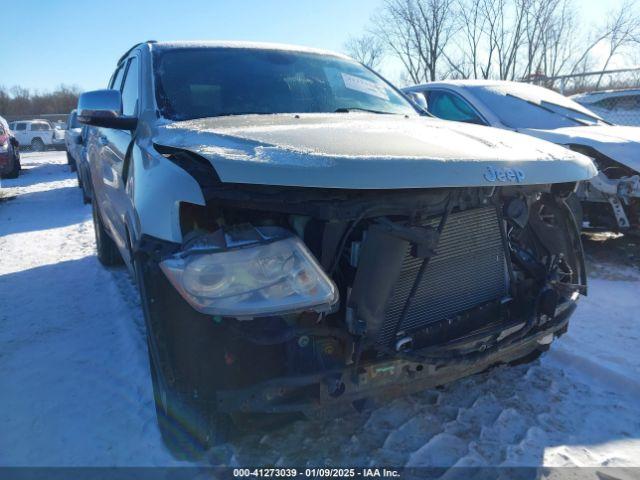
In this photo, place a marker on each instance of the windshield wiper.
(359, 109)
(231, 114)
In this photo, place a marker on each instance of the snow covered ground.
(75, 390)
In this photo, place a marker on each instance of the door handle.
(103, 140)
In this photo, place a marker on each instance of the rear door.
(21, 133)
(41, 130)
(114, 146)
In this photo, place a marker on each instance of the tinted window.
(451, 107)
(207, 82)
(130, 89)
(21, 127)
(117, 79)
(40, 126)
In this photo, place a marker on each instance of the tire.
(37, 145)
(71, 162)
(107, 250)
(15, 171)
(576, 209)
(188, 426)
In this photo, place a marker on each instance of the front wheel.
(37, 145)
(15, 171)
(188, 423)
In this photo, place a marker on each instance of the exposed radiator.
(468, 269)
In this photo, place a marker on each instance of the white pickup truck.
(38, 134)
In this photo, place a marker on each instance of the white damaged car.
(610, 200)
(304, 239)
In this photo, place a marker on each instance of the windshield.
(208, 82)
(517, 109)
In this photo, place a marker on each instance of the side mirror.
(103, 108)
(78, 140)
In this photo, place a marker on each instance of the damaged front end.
(616, 189)
(307, 297)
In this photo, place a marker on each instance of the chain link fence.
(612, 94)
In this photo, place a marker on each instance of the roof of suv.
(243, 45)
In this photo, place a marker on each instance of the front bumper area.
(314, 395)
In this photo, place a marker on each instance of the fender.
(157, 206)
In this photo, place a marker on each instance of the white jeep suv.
(304, 238)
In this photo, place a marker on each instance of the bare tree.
(472, 36)
(506, 33)
(551, 38)
(622, 28)
(21, 101)
(417, 33)
(367, 49)
(506, 39)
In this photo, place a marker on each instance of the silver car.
(610, 200)
(304, 238)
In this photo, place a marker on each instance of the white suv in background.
(38, 134)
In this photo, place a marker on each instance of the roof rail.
(126, 54)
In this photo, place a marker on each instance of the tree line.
(18, 101)
(497, 39)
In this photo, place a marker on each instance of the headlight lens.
(255, 280)
(4, 147)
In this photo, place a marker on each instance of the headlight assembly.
(273, 276)
(4, 147)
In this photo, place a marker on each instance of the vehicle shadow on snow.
(73, 369)
(33, 174)
(509, 416)
(59, 207)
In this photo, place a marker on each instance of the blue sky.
(78, 42)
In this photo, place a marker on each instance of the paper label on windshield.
(362, 85)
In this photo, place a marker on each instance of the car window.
(20, 127)
(116, 81)
(450, 106)
(40, 127)
(208, 82)
(2, 132)
(130, 89)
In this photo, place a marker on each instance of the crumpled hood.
(370, 151)
(619, 143)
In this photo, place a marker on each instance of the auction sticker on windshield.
(363, 85)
